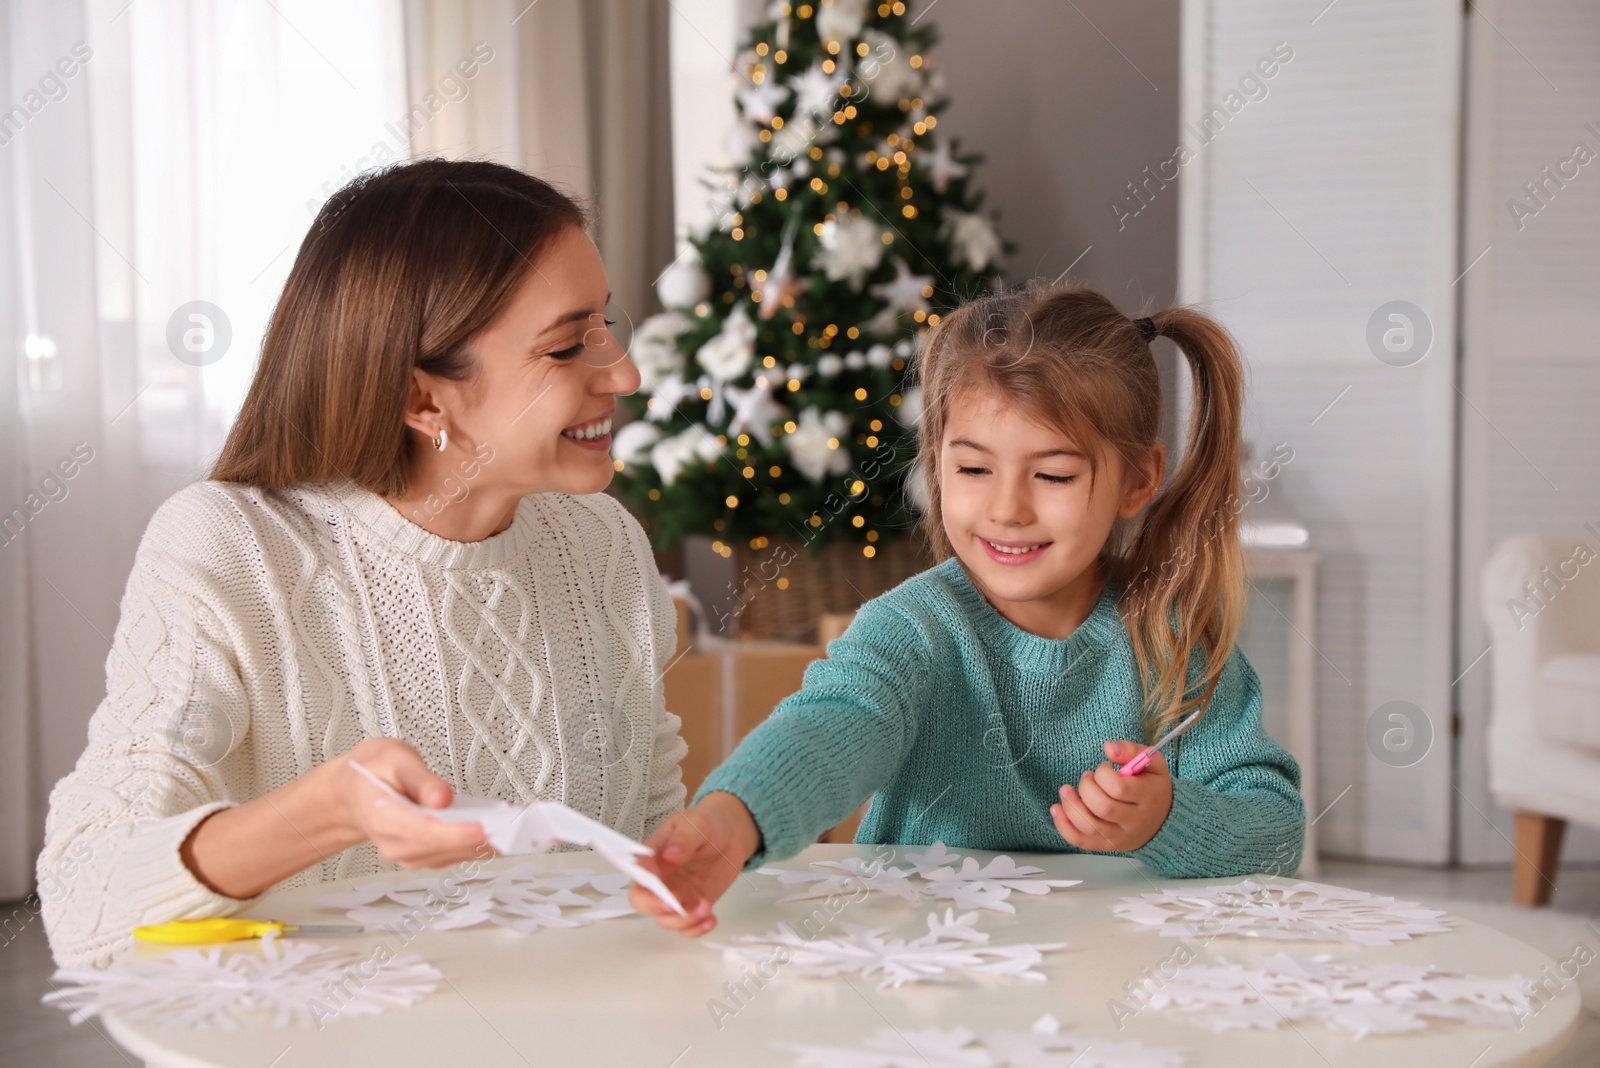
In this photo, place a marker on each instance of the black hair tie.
(1147, 327)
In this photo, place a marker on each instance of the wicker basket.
(784, 590)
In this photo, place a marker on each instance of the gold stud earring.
(442, 441)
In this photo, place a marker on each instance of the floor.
(1577, 888)
(31, 1034)
(35, 1036)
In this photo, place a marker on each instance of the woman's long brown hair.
(1075, 362)
(401, 269)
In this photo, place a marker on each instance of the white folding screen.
(1530, 436)
(1318, 160)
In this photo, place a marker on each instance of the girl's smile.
(1013, 553)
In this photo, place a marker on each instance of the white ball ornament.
(684, 283)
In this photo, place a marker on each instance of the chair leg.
(1538, 853)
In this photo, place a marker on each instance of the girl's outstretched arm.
(822, 752)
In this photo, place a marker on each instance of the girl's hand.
(409, 839)
(1115, 813)
(699, 852)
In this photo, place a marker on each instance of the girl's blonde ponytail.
(1183, 564)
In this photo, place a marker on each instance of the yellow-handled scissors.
(231, 929)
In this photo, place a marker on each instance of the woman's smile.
(592, 434)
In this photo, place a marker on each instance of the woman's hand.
(238, 852)
(699, 852)
(408, 838)
(1109, 812)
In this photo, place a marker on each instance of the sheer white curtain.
(153, 155)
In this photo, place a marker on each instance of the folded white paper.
(537, 828)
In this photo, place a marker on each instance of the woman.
(402, 558)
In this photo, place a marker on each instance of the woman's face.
(535, 416)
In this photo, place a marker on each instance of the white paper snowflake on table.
(953, 947)
(1360, 1000)
(830, 877)
(524, 898)
(289, 981)
(932, 874)
(1297, 912)
(1044, 1046)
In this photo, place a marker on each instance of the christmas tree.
(774, 405)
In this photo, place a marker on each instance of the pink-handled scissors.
(1140, 762)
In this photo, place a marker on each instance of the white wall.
(1069, 102)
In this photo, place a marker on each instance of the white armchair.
(1541, 600)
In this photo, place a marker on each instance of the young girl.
(1080, 605)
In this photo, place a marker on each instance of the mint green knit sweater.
(962, 727)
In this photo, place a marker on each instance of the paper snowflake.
(1382, 999)
(932, 874)
(952, 947)
(289, 981)
(1298, 912)
(957, 1047)
(972, 886)
(847, 876)
(524, 898)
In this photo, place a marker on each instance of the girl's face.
(1024, 513)
(535, 416)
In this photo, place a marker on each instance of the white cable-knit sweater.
(263, 633)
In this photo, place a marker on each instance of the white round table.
(622, 992)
